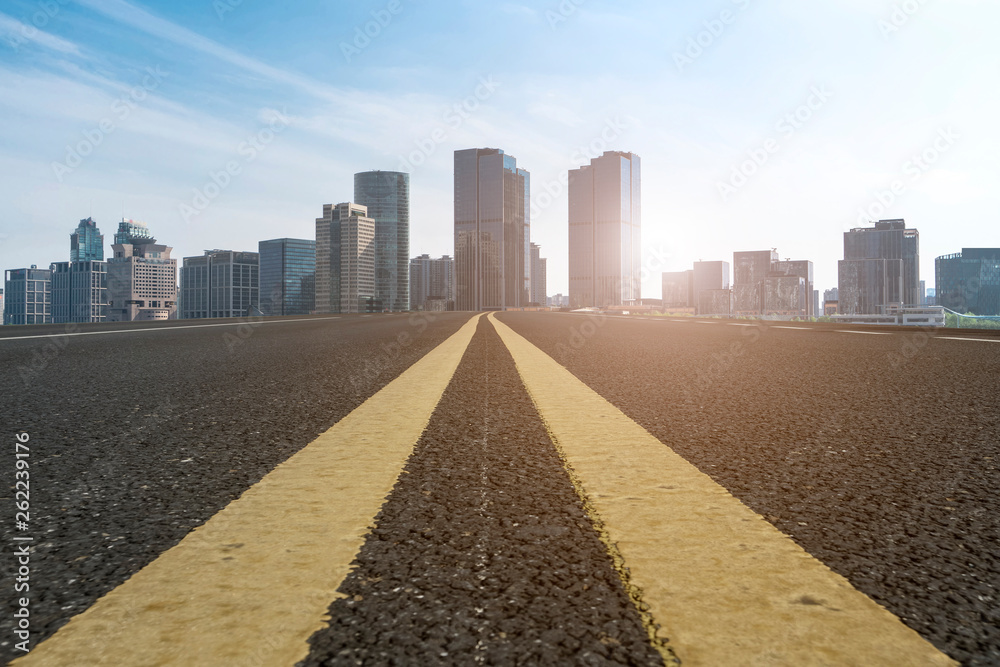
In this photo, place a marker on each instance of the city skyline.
(898, 121)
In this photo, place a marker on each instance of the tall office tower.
(538, 285)
(678, 289)
(142, 279)
(750, 270)
(79, 291)
(432, 283)
(880, 269)
(800, 268)
(492, 225)
(220, 283)
(968, 282)
(345, 259)
(1, 307)
(86, 243)
(386, 195)
(287, 276)
(27, 296)
(605, 224)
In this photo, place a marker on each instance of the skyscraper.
(492, 225)
(539, 277)
(386, 195)
(220, 283)
(27, 296)
(345, 259)
(86, 243)
(142, 278)
(79, 291)
(287, 276)
(432, 283)
(750, 270)
(605, 223)
(880, 269)
(969, 281)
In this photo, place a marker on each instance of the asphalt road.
(137, 438)
(877, 453)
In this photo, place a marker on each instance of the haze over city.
(760, 124)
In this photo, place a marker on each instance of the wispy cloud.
(16, 33)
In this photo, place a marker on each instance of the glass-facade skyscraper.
(492, 228)
(287, 276)
(880, 269)
(605, 224)
(969, 281)
(86, 243)
(386, 195)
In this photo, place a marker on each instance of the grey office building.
(27, 296)
(287, 276)
(220, 283)
(678, 289)
(880, 269)
(492, 228)
(539, 277)
(386, 195)
(605, 224)
(142, 278)
(969, 281)
(345, 259)
(79, 291)
(432, 283)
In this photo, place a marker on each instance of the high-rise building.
(79, 291)
(1, 308)
(27, 296)
(766, 286)
(539, 277)
(750, 270)
(287, 276)
(220, 283)
(345, 259)
(386, 195)
(432, 283)
(86, 243)
(605, 224)
(492, 228)
(880, 270)
(678, 289)
(142, 278)
(969, 281)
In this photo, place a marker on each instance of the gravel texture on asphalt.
(483, 553)
(136, 439)
(879, 454)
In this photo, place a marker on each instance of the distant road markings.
(241, 321)
(726, 587)
(796, 328)
(978, 340)
(740, 324)
(252, 584)
(866, 333)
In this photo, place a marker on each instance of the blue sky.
(760, 123)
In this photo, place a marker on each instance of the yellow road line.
(726, 587)
(251, 585)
